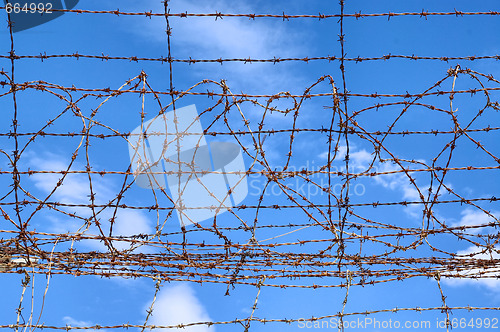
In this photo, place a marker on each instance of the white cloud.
(73, 322)
(75, 189)
(129, 222)
(487, 277)
(70, 321)
(229, 37)
(399, 182)
(225, 37)
(472, 217)
(340, 156)
(361, 159)
(179, 305)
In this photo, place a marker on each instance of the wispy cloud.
(179, 305)
(70, 321)
(396, 181)
(487, 276)
(227, 38)
(75, 189)
(472, 217)
(360, 160)
(73, 322)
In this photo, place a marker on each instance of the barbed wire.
(250, 60)
(284, 239)
(219, 15)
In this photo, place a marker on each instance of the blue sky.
(90, 300)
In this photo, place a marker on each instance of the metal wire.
(332, 261)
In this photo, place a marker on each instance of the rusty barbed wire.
(250, 60)
(283, 16)
(110, 92)
(311, 241)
